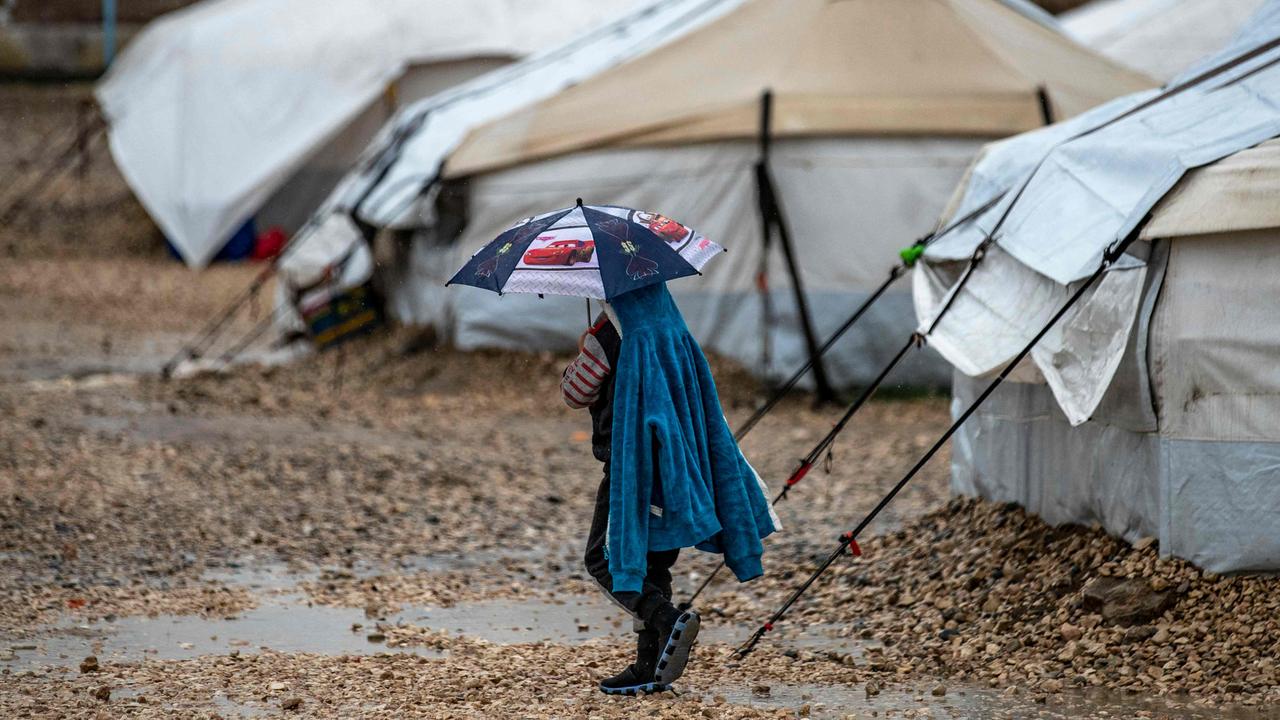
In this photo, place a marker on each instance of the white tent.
(1159, 37)
(879, 107)
(1151, 405)
(232, 108)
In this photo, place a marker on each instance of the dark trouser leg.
(656, 591)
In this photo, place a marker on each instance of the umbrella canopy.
(594, 251)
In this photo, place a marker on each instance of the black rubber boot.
(638, 679)
(677, 630)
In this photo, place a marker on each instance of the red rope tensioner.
(799, 474)
(853, 544)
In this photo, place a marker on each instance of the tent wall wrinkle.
(1005, 302)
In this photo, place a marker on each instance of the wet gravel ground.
(393, 485)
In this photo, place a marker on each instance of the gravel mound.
(987, 592)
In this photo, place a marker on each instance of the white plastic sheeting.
(213, 107)
(1159, 37)
(1214, 339)
(1205, 479)
(1214, 503)
(852, 204)
(1073, 190)
(988, 324)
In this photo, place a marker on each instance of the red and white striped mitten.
(584, 377)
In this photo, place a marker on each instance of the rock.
(277, 686)
(1070, 632)
(761, 691)
(1161, 636)
(872, 689)
(1125, 601)
(939, 690)
(375, 637)
(292, 703)
(1138, 633)
(89, 665)
(1144, 543)
(103, 693)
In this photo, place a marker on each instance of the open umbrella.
(593, 251)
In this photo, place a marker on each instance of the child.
(673, 476)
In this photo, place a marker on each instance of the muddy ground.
(381, 532)
(388, 531)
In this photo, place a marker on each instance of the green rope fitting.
(911, 254)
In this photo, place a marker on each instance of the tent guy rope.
(849, 540)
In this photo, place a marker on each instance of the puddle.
(49, 355)
(230, 708)
(284, 622)
(283, 628)
(287, 624)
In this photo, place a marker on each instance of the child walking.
(673, 476)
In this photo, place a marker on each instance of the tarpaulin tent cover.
(212, 107)
(1149, 406)
(1066, 201)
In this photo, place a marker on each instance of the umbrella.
(592, 251)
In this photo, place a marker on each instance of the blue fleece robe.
(677, 478)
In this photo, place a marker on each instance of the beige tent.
(853, 67)
(879, 107)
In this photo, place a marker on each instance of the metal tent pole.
(773, 219)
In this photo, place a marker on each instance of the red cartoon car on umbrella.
(561, 252)
(664, 227)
